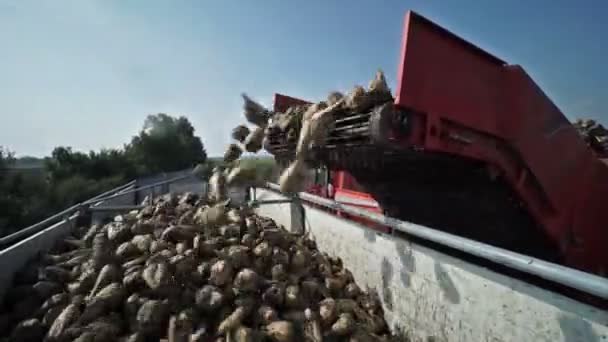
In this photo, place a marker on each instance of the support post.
(298, 216)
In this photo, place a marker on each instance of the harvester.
(470, 145)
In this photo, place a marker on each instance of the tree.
(166, 144)
(10, 205)
(6, 159)
(27, 195)
(65, 163)
(111, 162)
(76, 176)
(29, 162)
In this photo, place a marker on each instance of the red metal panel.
(282, 102)
(443, 74)
(501, 116)
(342, 181)
(547, 142)
(589, 229)
(360, 200)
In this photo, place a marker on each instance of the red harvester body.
(458, 112)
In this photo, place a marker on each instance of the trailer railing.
(13, 238)
(572, 278)
(90, 204)
(430, 291)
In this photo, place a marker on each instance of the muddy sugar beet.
(177, 271)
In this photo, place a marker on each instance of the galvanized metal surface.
(116, 208)
(118, 189)
(26, 244)
(21, 234)
(140, 189)
(13, 258)
(432, 296)
(107, 209)
(575, 279)
(257, 203)
(174, 182)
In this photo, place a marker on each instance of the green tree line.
(165, 143)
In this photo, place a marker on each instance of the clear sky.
(85, 73)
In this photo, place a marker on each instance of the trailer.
(428, 293)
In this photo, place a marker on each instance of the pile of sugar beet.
(309, 124)
(186, 269)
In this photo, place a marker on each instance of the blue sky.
(85, 73)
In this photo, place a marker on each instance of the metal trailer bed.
(427, 294)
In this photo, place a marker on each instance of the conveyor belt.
(437, 190)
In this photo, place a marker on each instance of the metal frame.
(582, 281)
(116, 208)
(572, 278)
(255, 203)
(168, 181)
(86, 205)
(35, 228)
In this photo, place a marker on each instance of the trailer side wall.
(427, 294)
(16, 256)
